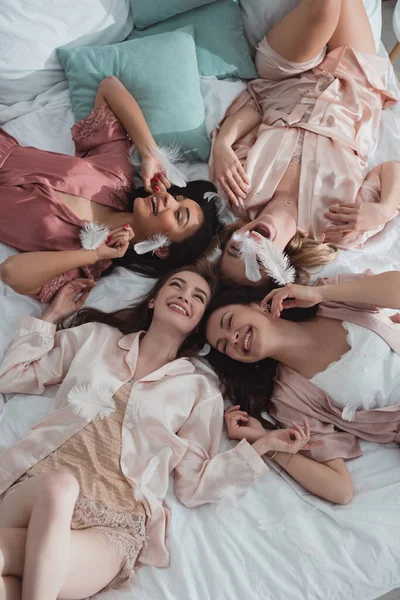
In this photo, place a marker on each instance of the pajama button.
(139, 386)
(129, 425)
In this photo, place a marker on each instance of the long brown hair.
(138, 316)
(304, 253)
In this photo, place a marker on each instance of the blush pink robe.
(328, 110)
(32, 217)
(295, 397)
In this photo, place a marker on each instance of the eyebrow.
(202, 292)
(221, 324)
(187, 216)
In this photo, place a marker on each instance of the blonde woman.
(291, 153)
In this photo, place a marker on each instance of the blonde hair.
(305, 253)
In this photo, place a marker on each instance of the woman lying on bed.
(84, 488)
(332, 358)
(291, 153)
(47, 198)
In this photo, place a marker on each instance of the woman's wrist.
(262, 445)
(50, 316)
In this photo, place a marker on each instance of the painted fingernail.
(109, 238)
(156, 187)
(126, 226)
(156, 179)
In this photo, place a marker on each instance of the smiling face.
(179, 218)
(239, 331)
(265, 226)
(181, 302)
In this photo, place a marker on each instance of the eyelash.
(229, 326)
(176, 283)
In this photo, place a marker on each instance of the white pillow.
(260, 15)
(31, 30)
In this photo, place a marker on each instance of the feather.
(93, 235)
(134, 157)
(214, 255)
(152, 244)
(247, 249)
(206, 349)
(146, 478)
(224, 215)
(275, 262)
(348, 413)
(91, 402)
(168, 157)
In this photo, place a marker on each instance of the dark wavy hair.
(138, 316)
(181, 253)
(248, 384)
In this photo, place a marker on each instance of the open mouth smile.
(248, 341)
(178, 308)
(153, 203)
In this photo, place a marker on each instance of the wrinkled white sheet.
(277, 542)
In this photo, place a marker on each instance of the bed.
(277, 541)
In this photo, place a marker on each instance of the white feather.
(214, 255)
(134, 157)
(152, 244)
(348, 413)
(206, 349)
(168, 157)
(275, 262)
(247, 249)
(93, 235)
(146, 478)
(91, 402)
(225, 216)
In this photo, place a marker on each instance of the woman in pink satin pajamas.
(46, 198)
(291, 153)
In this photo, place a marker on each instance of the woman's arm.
(237, 125)
(330, 480)
(39, 356)
(382, 290)
(205, 474)
(227, 167)
(27, 272)
(368, 216)
(128, 111)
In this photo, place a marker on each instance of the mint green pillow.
(148, 12)
(162, 75)
(221, 46)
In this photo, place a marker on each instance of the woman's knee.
(322, 10)
(59, 491)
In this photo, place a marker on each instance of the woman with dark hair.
(332, 358)
(72, 216)
(85, 487)
(291, 154)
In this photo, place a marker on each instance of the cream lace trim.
(125, 531)
(323, 81)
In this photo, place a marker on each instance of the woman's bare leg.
(353, 29)
(10, 588)
(304, 32)
(47, 551)
(93, 563)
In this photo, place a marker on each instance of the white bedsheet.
(277, 542)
